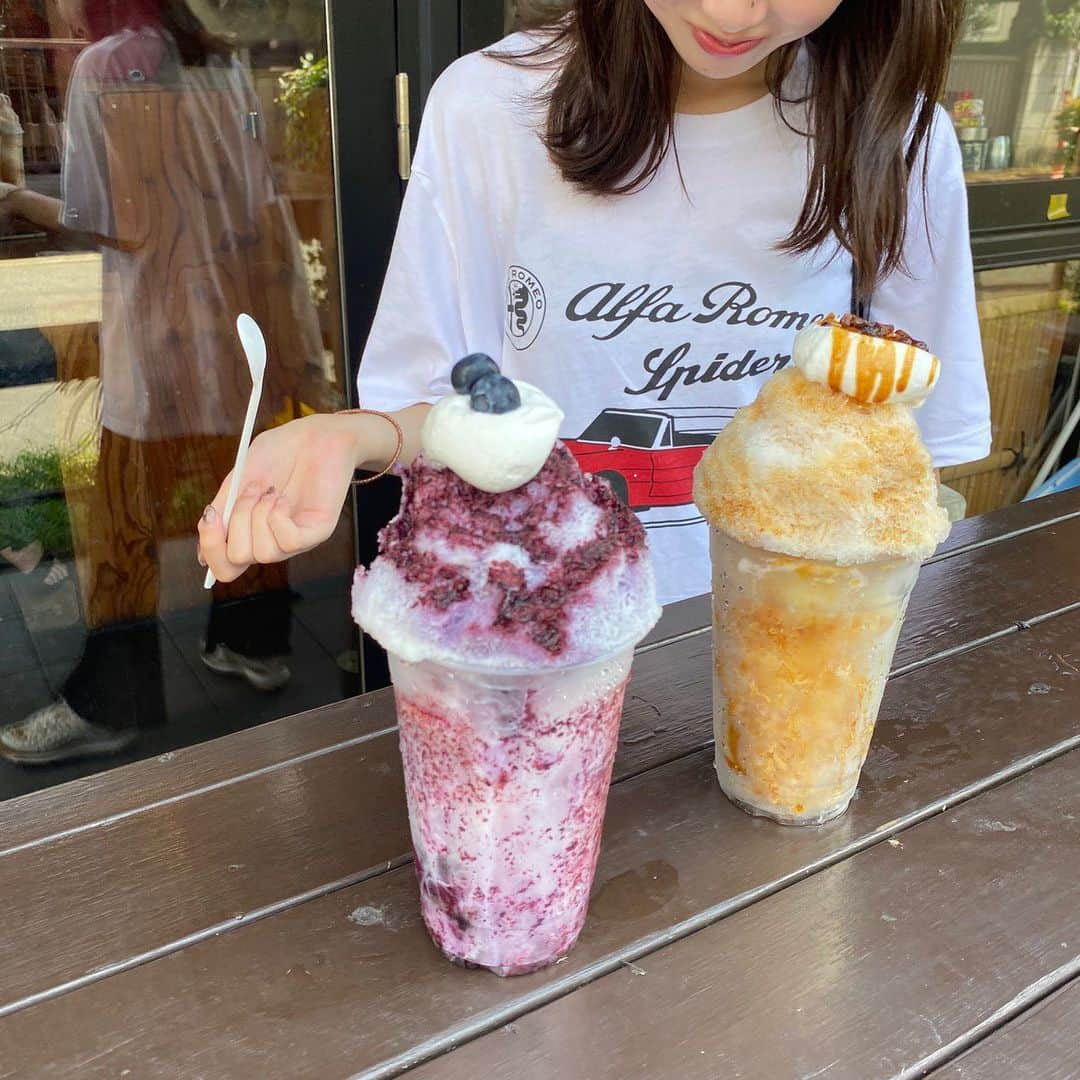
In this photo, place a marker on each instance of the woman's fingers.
(294, 484)
(294, 536)
(213, 545)
(249, 540)
(264, 547)
(219, 500)
(239, 547)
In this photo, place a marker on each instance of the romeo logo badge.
(525, 306)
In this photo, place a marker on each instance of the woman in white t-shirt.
(635, 209)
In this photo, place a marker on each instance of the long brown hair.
(877, 68)
(193, 42)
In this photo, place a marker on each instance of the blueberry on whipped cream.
(468, 370)
(494, 394)
(494, 432)
(488, 389)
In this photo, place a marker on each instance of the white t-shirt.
(649, 317)
(205, 236)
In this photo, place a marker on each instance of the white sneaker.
(263, 673)
(58, 733)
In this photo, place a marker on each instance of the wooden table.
(246, 907)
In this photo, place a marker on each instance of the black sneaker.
(263, 673)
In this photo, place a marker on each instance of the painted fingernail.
(209, 515)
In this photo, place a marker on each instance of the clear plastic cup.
(507, 778)
(801, 652)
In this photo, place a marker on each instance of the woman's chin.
(716, 68)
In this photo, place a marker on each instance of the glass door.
(164, 166)
(1013, 96)
(1030, 333)
(1012, 90)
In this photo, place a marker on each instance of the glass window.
(1030, 334)
(165, 165)
(1013, 89)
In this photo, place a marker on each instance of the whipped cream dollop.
(494, 452)
(871, 368)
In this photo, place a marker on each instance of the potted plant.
(304, 96)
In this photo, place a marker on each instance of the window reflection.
(1013, 87)
(165, 167)
(1030, 335)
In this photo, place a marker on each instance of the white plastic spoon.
(254, 345)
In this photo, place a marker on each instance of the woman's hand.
(40, 210)
(294, 486)
(7, 203)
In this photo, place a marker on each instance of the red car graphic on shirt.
(648, 455)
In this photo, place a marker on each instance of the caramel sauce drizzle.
(731, 754)
(905, 371)
(876, 375)
(837, 360)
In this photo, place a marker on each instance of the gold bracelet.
(397, 450)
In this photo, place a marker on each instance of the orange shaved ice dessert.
(822, 507)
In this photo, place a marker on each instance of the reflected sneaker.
(58, 733)
(263, 673)
(26, 559)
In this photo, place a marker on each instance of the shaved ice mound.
(547, 575)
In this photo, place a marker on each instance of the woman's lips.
(714, 46)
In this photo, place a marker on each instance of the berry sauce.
(447, 528)
(507, 785)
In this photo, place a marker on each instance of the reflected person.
(165, 169)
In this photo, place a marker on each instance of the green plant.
(1062, 24)
(1068, 131)
(302, 93)
(32, 502)
(977, 18)
(1071, 288)
(186, 499)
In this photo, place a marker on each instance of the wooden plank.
(870, 969)
(667, 715)
(685, 617)
(349, 981)
(1003, 524)
(190, 771)
(199, 867)
(981, 531)
(82, 803)
(60, 290)
(93, 800)
(1042, 1043)
(982, 591)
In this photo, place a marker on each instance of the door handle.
(404, 130)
